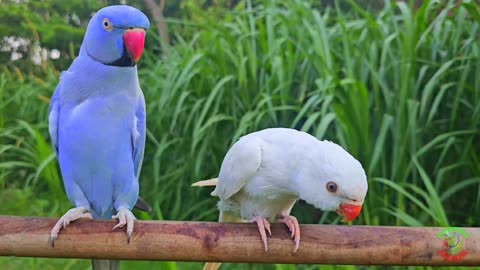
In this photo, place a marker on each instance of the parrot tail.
(105, 264)
(211, 266)
(206, 183)
(223, 217)
(143, 205)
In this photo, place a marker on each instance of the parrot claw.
(263, 225)
(71, 215)
(293, 227)
(125, 216)
(52, 241)
(267, 227)
(297, 245)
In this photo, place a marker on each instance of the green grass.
(399, 89)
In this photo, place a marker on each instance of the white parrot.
(266, 172)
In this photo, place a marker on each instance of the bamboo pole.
(227, 242)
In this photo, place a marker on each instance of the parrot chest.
(261, 198)
(98, 124)
(104, 108)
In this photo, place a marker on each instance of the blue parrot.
(97, 120)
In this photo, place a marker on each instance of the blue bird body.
(97, 119)
(101, 135)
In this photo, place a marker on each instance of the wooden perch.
(227, 242)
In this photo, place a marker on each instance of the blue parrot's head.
(116, 35)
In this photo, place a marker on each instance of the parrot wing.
(241, 163)
(138, 143)
(139, 135)
(53, 117)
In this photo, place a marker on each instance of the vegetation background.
(397, 83)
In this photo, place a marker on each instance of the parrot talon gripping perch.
(71, 215)
(125, 216)
(293, 227)
(263, 225)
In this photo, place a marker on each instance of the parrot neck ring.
(125, 61)
(133, 44)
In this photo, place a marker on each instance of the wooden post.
(227, 242)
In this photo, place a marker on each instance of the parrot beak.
(134, 40)
(349, 211)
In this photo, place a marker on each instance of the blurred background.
(397, 83)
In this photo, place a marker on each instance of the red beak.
(134, 40)
(349, 211)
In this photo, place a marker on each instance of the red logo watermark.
(453, 244)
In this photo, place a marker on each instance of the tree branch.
(229, 242)
(157, 12)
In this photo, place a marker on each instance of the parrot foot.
(293, 227)
(69, 216)
(125, 216)
(263, 225)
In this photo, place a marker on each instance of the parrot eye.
(331, 187)
(107, 24)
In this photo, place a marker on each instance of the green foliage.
(399, 89)
(46, 24)
(396, 89)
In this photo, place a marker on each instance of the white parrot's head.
(335, 181)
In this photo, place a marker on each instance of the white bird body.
(266, 172)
